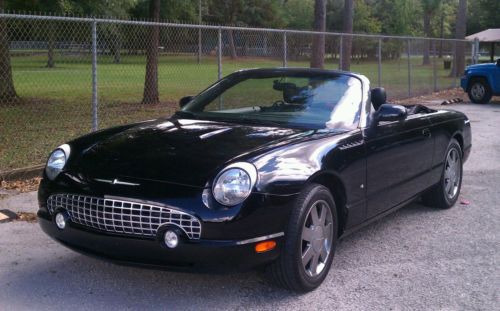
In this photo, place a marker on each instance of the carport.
(489, 35)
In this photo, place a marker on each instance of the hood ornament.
(116, 181)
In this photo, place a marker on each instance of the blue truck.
(481, 82)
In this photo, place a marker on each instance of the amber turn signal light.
(265, 246)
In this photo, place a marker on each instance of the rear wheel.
(445, 193)
(310, 241)
(479, 91)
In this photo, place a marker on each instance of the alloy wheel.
(317, 236)
(452, 173)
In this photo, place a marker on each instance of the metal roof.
(488, 35)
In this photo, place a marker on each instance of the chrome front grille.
(120, 216)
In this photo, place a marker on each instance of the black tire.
(439, 195)
(479, 91)
(288, 270)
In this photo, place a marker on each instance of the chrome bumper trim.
(261, 238)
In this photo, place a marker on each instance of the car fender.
(484, 74)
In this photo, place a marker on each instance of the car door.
(399, 158)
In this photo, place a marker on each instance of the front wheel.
(310, 241)
(445, 193)
(479, 91)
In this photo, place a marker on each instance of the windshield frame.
(234, 78)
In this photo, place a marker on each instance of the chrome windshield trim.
(262, 238)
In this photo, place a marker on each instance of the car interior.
(379, 97)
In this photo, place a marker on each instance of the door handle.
(426, 133)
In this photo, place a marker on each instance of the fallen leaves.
(21, 185)
(24, 216)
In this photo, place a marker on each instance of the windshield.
(307, 100)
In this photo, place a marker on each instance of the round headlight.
(234, 184)
(57, 161)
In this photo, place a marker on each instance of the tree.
(347, 26)
(7, 90)
(430, 7)
(460, 27)
(227, 12)
(318, 42)
(151, 94)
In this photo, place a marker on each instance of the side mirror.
(378, 97)
(498, 62)
(185, 100)
(388, 112)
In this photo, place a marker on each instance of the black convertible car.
(266, 167)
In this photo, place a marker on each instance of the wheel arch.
(334, 183)
(478, 76)
(458, 136)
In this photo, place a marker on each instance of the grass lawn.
(56, 102)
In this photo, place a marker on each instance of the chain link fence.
(74, 75)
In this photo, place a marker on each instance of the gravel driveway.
(415, 258)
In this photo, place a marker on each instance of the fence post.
(285, 64)
(379, 62)
(219, 54)
(475, 57)
(219, 61)
(434, 67)
(340, 52)
(95, 124)
(408, 53)
(454, 68)
(199, 32)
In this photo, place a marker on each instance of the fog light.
(60, 221)
(171, 239)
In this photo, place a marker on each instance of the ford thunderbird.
(265, 168)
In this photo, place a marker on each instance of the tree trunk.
(117, 45)
(347, 40)
(51, 42)
(459, 64)
(318, 41)
(151, 95)
(232, 47)
(7, 90)
(428, 34)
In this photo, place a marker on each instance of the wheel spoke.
(307, 234)
(324, 253)
(314, 215)
(327, 230)
(314, 263)
(322, 215)
(307, 255)
(448, 186)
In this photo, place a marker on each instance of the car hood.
(482, 66)
(178, 150)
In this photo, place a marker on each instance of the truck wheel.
(479, 91)
(310, 242)
(445, 193)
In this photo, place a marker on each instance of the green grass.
(55, 102)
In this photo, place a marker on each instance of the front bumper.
(226, 241)
(463, 82)
(205, 255)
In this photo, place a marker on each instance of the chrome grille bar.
(121, 216)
